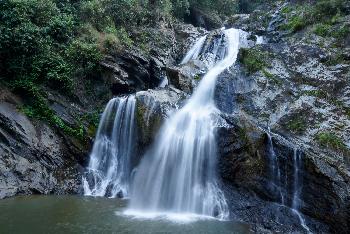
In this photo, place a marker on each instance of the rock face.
(153, 107)
(35, 159)
(302, 96)
(244, 164)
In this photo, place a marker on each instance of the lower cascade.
(297, 187)
(277, 185)
(178, 174)
(109, 168)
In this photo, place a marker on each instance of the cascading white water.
(178, 174)
(275, 173)
(109, 168)
(297, 180)
(297, 186)
(195, 51)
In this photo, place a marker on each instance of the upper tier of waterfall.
(194, 52)
(178, 174)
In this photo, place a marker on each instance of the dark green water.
(74, 214)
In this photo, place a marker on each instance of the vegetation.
(252, 59)
(325, 15)
(329, 139)
(296, 125)
(272, 77)
(52, 44)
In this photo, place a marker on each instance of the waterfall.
(109, 167)
(195, 51)
(297, 186)
(275, 173)
(178, 174)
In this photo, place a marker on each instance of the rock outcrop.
(35, 158)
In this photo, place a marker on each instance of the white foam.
(169, 216)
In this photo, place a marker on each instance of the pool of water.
(74, 214)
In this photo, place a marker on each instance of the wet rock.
(179, 79)
(186, 36)
(207, 20)
(152, 108)
(34, 158)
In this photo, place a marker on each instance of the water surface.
(74, 214)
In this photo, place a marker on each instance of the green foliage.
(252, 59)
(341, 32)
(247, 6)
(329, 139)
(294, 24)
(223, 7)
(325, 10)
(296, 125)
(286, 10)
(271, 77)
(327, 30)
(37, 108)
(93, 120)
(322, 29)
(86, 56)
(197, 77)
(315, 93)
(324, 13)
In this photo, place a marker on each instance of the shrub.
(252, 59)
(86, 55)
(295, 24)
(296, 125)
(322, 29)
(329, 139)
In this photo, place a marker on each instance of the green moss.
(92, 120)
(329, 139)
(286, 10)
(315, 93)
(296, 125)
(322, 29)
(197, 77)
(295, 24)
(341, 32)
(271, 77)
(253, 59)
(323, 13)
(337, 58)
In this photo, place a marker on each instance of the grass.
(329, 139)
(296, 23)
(323, 14)
(197, 77)
(296, 125)
(271, 77)
(252, 59)
(315, 93)
(322, 30)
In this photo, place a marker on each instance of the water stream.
(195, 50)
(275, 172)
(109, 168)
(297, 164)
(275, 180)
(178, 173)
